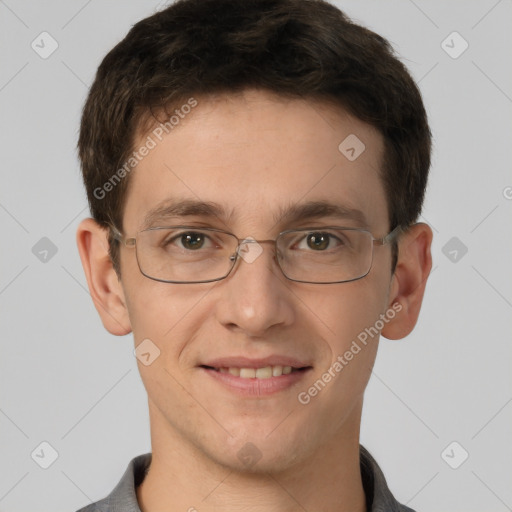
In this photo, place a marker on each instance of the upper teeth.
(258, 373)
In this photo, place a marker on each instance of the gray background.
(66, 381)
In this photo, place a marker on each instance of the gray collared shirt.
(124, 498)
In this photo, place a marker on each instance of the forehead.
(257, 155)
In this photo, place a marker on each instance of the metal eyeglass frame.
(132, 241)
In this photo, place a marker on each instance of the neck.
(182, 477)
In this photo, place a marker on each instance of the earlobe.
(409, 280)
(104, 286)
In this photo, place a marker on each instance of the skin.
(254, 153)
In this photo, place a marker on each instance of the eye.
(319, 241)
(192, 241)
(189, 240)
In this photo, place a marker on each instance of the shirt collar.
(124, 498)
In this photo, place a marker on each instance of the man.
(255, 170)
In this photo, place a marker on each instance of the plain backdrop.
(440, 395)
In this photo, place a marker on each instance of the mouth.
(254, 379)
(264, 372)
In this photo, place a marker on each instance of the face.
(255, 156)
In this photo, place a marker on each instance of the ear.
(409, 280)
(104, 285)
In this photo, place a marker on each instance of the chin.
(249, 459)
(259, 451)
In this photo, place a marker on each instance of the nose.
(255, 297)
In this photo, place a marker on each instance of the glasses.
(320, 255)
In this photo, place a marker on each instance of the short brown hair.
(298, 48)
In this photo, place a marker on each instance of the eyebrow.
(295, 212)
(183, 208)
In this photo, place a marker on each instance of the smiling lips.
(258, 380)
(266, 368)
(257, 373)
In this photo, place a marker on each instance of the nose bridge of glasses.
(249, 248)
(250, 240)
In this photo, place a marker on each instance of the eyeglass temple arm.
(117, 235)
(389, 237)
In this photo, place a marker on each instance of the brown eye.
(192, 241)
(318, 241)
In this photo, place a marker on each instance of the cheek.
(345, 312)
(170, 315)
(153, 307)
